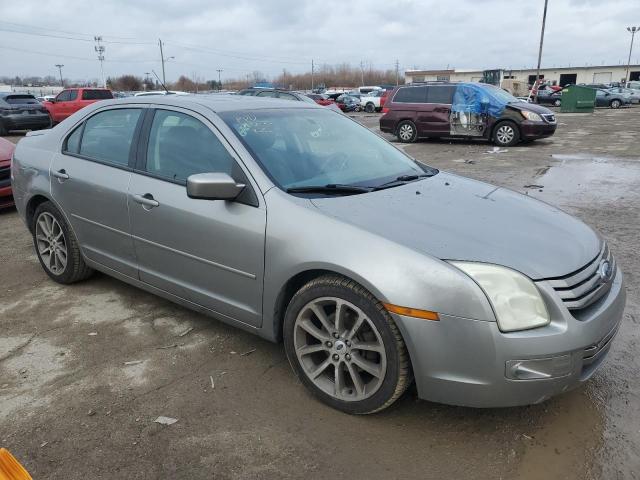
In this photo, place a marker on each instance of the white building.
(557, 76)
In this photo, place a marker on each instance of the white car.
(371, 101)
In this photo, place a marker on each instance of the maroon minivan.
(469, 110)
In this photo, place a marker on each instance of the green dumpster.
(577, 99)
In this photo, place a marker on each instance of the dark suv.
(464, 110)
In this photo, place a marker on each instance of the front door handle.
(61, 174)
(146, 200)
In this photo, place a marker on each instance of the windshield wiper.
(330, 188)
(401, 180)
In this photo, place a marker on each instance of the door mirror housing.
(213, 186)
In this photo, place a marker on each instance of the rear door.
(438, 112)
(89, 180)
(411, 103)
(209, 252)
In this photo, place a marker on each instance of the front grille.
(583, 287)
(549, 117)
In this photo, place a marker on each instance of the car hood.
(455, 218)
(531, 107)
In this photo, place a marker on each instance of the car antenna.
(160, 81)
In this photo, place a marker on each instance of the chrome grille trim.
(583, 287)
(592, 352)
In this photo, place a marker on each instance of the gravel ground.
(86, 369)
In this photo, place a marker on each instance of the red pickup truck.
(6, 150)
(70, 100)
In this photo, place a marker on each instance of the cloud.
(246, 35)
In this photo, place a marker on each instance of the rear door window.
(73, 94)
(108, 135)
(267, 93)
(96, 94)
(442, 94)
(411, 95)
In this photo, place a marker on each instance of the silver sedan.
(298, 224)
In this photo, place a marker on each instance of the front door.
(64, 106)
(89, 180)
(210, 252)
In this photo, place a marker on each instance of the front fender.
(301, 238)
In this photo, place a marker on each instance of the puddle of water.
(588, 179)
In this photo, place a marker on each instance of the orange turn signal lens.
(412, 312)
(10, 469)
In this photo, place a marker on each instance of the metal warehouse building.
(556, 76)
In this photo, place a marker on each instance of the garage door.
(602, 77)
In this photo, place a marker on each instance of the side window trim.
(140, 165)
(134, 141)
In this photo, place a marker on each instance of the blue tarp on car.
(478, 98)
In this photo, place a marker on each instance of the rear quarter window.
(96, 94)
(411, 95)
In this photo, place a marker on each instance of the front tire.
(57, 247)
(506, 134)
(557, 102)
(407, 131)
(344, 346)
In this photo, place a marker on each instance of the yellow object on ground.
(10, 469)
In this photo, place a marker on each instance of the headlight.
(534, 117)
(515, 299)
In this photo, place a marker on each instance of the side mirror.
(213, 186)
(53, 100)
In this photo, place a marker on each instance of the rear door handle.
(146, 200)
(61, 174)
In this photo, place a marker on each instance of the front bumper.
(26, 121)
(466, 362)
(534, 130)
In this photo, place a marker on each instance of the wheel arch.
(31, 207)
(297, 281)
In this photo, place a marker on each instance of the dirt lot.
(72, 407)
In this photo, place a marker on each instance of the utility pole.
(397, 72)
(632, 31)
(99, 48)
(361, 73)
(544, 21)
(146, 79)
(60, 70)
(219, 70)
(312, 74)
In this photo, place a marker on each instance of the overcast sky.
(241, 36)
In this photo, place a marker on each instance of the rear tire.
(615, 104)
(3, 130)
(407, 131)
(506, 134)
(357, 363)
(57, 247)
(369, 108)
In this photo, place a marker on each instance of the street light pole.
(60, 70)
(632, 31)
(544, 21)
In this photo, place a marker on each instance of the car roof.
(10, 94)
(217, 103)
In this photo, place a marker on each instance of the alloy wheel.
(505, 134)
(339, 349)
(52, 246)
(406, 132)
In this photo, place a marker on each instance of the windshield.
(309, 147)
(502, 95)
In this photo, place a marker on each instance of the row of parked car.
(606, 95)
